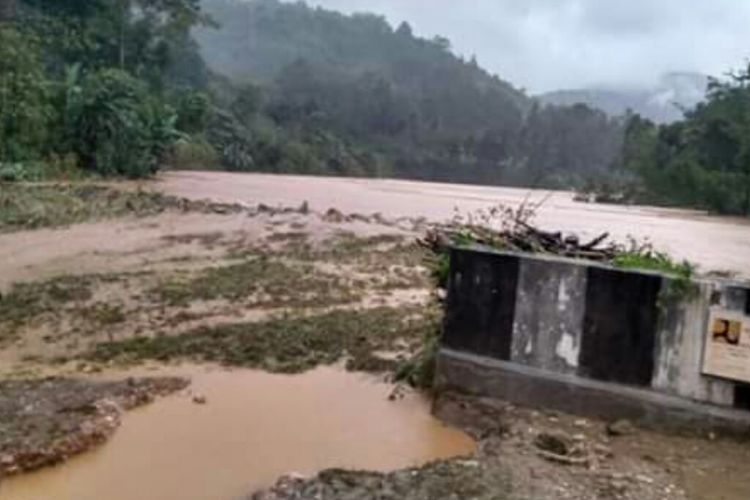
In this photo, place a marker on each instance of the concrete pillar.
(550, 304)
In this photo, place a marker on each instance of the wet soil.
(457, 479)
(46, 421)
(216, 296)
(550, 454)
(528, 454)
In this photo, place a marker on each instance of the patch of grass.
(348, 243)
(29, 206)
(650, 260)
(371, 250)
(25, 301)
(347, 247)
(419, 371)
(393, 262)
(680, 285)
(290, 237)
(273, 283)
(285, 345)
(440, 269)
(104, 314)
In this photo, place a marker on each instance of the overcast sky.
(553, 44)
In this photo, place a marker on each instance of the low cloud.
(552, 44)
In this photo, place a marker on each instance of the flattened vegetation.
(286, 345)
(67, 296)
(28, 300)
(341, 271)
(285, 302)
(269, 283)
(24, 206)
(34, 206)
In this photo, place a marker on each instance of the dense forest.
(126, 87)
(355, 95)
(96, 85)
(121, 87)
(702, 161)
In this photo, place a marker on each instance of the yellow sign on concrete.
(727, 350)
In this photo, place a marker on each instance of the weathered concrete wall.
(549, 315)
(585, 323)
(679, 349)
(537, 388)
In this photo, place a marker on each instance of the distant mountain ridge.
(662, 103)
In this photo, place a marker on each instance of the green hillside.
(124, 88)
(403, 105)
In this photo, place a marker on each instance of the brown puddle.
(254, 428)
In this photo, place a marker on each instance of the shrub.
(194, 110)
(194, 155)
(121, 129)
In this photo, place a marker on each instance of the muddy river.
(716, 243)
(253, 428)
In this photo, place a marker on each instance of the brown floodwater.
(715, 243)
(254, 428)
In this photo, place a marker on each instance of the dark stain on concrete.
(742, 396)
(619, 326)
(481, 303)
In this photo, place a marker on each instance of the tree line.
(121, 87)
(702, 161)
(125, 87)
(354, 95)
(96, 84)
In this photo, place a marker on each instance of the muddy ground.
(530, 454)
(148, 277)
(47, 420)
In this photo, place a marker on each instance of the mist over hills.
(354, 95)
(362, 96)
(662, 103)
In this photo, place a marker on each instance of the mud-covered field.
(96, 279)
